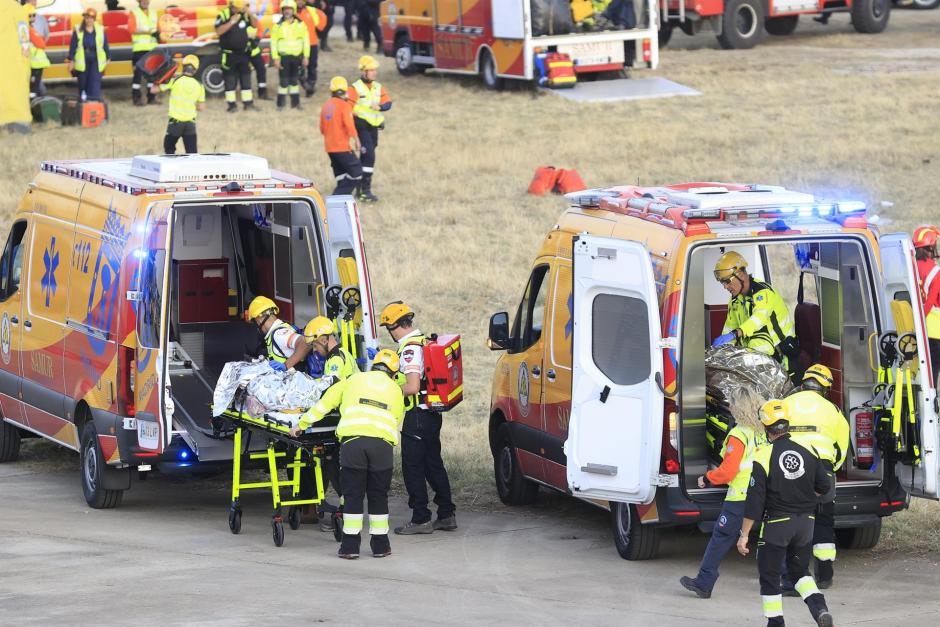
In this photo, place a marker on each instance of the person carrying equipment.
(371, 408)
(142, 25)
(38, 60)
(370, 101)
(925, 250)
(758, 318)
(421, 461)
(735, 471)
(232, 26)
(315, 20)
(786, 480)
(290, 49)
(818, 425)
(88, 55)
(285, 350)
(187, 97)
(340, 138)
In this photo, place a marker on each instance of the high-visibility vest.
(412, 401)
(290, 38)
(253, 41)
(340, 364)
(818, 425)
(370, 405)
(737, 487)
(368, 96)
(144, 42)
(79, 59)
(273, 351)
(185, 92)
(37, 57)
(933, 316)
(762, 316)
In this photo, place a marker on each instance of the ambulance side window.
(527, 328)
(151, 304)
(11, 265)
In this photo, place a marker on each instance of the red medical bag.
(443, 372)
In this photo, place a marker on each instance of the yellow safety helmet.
(30, 10)
(367, 62)
(338, 83)
(238, 5)
(729, 264)
(774, 415)
(818, 377)
(386, 360)
(260, 306)
(191, 59)
(289, 4)
(319, 326)
(394, 312)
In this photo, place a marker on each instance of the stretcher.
(282, 452)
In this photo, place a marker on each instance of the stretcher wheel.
(293, 518)
(338, 526)
(235, 520)
(277, 532)
(907, 345)
(888, 345)
(351, 298)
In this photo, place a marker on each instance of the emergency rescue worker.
(232, 26)
(88, 55)
(187, 97)
(370, 101)
(925, 249)
(321, 336)
(38, 60)
(818, 425)
(257, 62)
(142, 25)
(758, 318)
(735, 471)
(340, 139)
(786, 480)
(369, 23)
(371, 408)
(290, 49)
(315, 20)
(282, 341)
(421, 461)
(329, 9)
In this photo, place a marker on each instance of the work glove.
(723, 339)
(277, 366)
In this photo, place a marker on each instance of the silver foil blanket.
(728, 367)
(268, 390)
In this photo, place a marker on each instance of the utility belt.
(175, 121)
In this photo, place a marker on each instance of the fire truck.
(741, 24)
(499, 39)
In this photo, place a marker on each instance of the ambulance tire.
(742, 24)
(634, 541)
(782, 26)
(511, 486)
(859, 538)
(491, 80)
(93, 468)
(9, 442)
(870, 16)
(665, 34)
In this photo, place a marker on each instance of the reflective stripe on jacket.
(370, 404)
(818, 425)
(368, 96)
(147, 22)
(102, 56)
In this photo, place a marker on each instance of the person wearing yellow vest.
(290, 49)
(257, 62)
(38, 60)
(421, 461)
(925, 250)
(88, 55)
(735, 470)
(370, 101)
(232, 27)
(145, 35)
(315, 20)
(281, 340)
(187, 97)
(818, 425)
(371, 408)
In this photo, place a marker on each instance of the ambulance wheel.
(870, 16)
(491, 80)
(511, 485)
(277, 532)
(859, 538)
(293, 518)
(633, 540)
(741, 24)
(783, 25)
(665, 34)
(235, 519)
(338, 527)
(9, 442)
(93, 469)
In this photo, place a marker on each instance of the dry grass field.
(825, 110)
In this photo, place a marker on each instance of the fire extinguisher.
(864, 439)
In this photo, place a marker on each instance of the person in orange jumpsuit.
(340, 138)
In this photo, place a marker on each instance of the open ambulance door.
(900, 283)
(616, 427)
(347, 262)
(154, 426)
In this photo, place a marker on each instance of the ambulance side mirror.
(498, 339)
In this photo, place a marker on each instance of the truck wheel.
(213, 79)
(93, 468)
(9, 442)
(859, 537)
(741, 24)
(513, 488)
(665, 33)
(404, 57)
(784, 25)
(491, 80)
(633, 540)
(870, 16)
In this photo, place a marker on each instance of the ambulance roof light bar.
(801, 210)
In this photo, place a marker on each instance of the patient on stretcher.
(267, 391)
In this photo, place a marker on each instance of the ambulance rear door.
(347, 262)
(616, 427)
(900, 283)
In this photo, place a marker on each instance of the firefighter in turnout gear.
(282, 341)
(925, 249)
(232, 26)
(371, 408)
(187, 97)
(786, 480)
(142, 25)
(370, 102)
(818, 425)
(758, 318)
(735, 471)
(421, 461)
(290, 49)
(340, 138)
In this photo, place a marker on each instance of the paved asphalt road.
(166, 557)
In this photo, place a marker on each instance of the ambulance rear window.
(151, 304)
(620, 339)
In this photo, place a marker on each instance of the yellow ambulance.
(121, 298)
(601, 390)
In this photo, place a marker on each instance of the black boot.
(380, 545)
(365, 189)
(823, 572)
(137, 98)
(295, 101)
(151, 97)
(281, 99)
(349, 549)
(232, 108)
(263, 93)
(248, 106)
(816, 603)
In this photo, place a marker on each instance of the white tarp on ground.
(625, 89)
(268, 390)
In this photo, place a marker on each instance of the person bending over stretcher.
(285, 350)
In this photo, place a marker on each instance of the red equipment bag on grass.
(157, 66)
(443, 372)
(569, 181)
(88, 114)
(559, 70)
(543, 181)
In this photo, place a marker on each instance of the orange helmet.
(925, 236)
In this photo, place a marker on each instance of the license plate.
(148, 434)
(594, 52)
